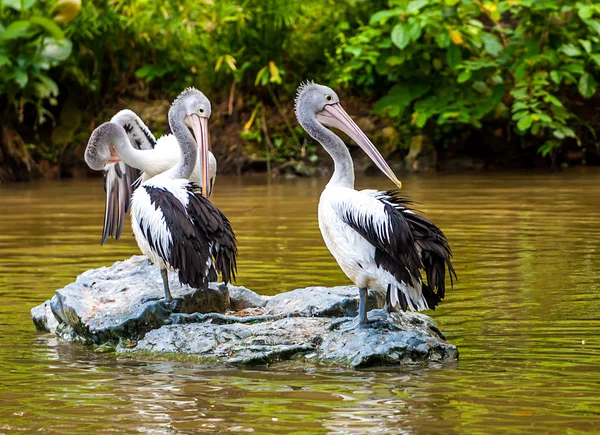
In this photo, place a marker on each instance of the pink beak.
(333, 115)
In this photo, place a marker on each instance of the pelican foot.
(373, 316)
(172, 305)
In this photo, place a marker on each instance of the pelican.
(177, 227)
(376, 239)
(122, 159)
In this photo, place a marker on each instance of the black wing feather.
(203, 243)
(414, 243)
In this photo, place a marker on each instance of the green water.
(524, 315)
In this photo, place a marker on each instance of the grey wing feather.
(118, 185)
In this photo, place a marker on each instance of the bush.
(471, 62)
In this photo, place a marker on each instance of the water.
(527, 252)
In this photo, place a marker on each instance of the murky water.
(525, 317)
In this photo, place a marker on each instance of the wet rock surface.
(232, 324)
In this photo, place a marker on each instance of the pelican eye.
(328, 98)
(200, 111)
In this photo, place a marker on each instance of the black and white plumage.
(379, 243)
(176, 226)
(179, 229)
(122, 154)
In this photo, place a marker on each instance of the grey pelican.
(378, 242)
(123, 160)
(177, 227)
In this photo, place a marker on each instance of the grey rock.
(338, 301)
(112, 303)
(43, 319)
(242, 298)
(405, 338)
(106, 306)
(245, 344)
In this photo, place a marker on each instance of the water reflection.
(526, 251)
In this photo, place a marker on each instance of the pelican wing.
(202, 242)
(119, 178)
(217, 227)
(404, 241)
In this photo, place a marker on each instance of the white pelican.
(177, 227)
(122, 159)
(379, 243)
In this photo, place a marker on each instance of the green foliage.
(31, 44)
(471, 61)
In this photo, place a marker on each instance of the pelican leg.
(362, 306)
(165, 278)
(387, 307)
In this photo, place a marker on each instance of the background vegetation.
(505, 82)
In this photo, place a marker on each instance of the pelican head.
(322, 104)
(100, 148)
(195, 109)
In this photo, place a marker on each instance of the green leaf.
(548, 147)
(451, 2)
(595, 25)
(464, 76)
(382, 16)
(421, 119)
(519, 105)
(50, 26)
(453, 56)
(414, 31)
(21, 78)
(415, 5)
(492, 43)
(556, 76)
(400, 36)
(16, 4)
(587, 85)
(575, 68)
(524, 123)
(587, 45)
(596, 58)
(15, 30)
(549, 98)
(4, 60)
(585, 12)
(49, 84)
(58, 50)
(518, 115)
(144, 71)
(570, 50)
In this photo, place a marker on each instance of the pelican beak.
(114, 157)
(333, 115)
(200, 128)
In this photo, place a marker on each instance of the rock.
(320, 302)
(406, 338)
(106, 307)
(110, 303)
(242, 298)
(43, 319)
(422, 155)
(245, 344)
